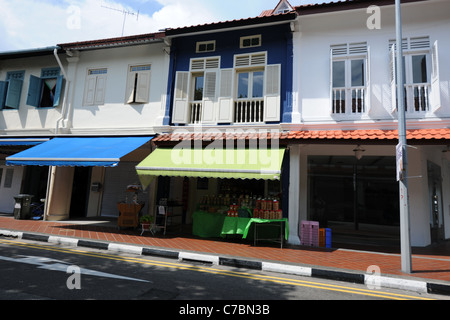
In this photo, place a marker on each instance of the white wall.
(115, 115)
(7, 193)
(28, 120)
(318, 32)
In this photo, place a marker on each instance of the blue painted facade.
(276, 40)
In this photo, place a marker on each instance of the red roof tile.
(291, 136)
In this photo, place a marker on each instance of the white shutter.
(100, 88)
(367, 82)
(273, 89)
(89, 90)
(131, 81)
(435, 81)
(143, 87)
(225, 114)
(331, 82)
(180, 108)
(209, 96)
(393, 76)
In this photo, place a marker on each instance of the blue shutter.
(58, 91)
(3, 89)
(14, 93)
(34, 91)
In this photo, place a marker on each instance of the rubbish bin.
(22, 206)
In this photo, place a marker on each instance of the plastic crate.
(325, 237)
(309, 235)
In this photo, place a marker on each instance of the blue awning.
(22, 141)
(78, 152)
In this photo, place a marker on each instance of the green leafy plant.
(146, 219)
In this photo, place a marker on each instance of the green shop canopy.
(248, 163)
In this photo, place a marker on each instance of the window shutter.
(89, 90)
(13, 94)
(3, 90)
(393, 75)
(34, 91)
(331, 82)
(131, 81)
(143, 87)
(58, 90)
(435, 81)
(225, 114)
(209, 96)
(367, 82)
(180, 108)
(272, 96)
(100, 88)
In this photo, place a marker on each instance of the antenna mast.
(125, 13)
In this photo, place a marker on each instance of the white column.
(294, 194)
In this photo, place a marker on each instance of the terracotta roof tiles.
(310, 135)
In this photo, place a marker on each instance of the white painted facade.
(114, 115)
(111, 109)
(315, 36)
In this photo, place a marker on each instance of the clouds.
(26, 24)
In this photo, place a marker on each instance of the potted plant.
(146, 221)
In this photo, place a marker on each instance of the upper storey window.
(45, 92)
(349, 77)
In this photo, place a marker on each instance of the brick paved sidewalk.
(428, 263)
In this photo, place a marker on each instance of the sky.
(29, 24)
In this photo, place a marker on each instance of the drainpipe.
(64, 107)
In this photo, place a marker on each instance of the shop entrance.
(35, 183)
(80, 192)
(357, 199)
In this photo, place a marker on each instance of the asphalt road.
(40, 271)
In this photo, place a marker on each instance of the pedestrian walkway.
(431, 265)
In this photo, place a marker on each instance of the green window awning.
(212, 163)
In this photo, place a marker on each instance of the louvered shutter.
(273, 93)
(89, 91)
(143, 87)
(367, 82)
(100, 89)
(225, 114)
(435, 81)
(3, 89)
(13, 94)
(34, 91)
(331, 82)
(180, 108)
(131, 86)
(58, 90)
(209, 96)
(393, 75)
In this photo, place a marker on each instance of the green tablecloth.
(210, 225)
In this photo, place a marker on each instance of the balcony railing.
(349, 100)
(249, 111)
(417, 98)
(195, 112)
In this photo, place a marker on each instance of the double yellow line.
(212, 270)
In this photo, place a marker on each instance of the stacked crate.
(309, 233)
(325, 237)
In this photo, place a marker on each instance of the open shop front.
(234, 193)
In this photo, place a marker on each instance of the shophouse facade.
(231, 89)
(109, 103)
(344, 132)
(316, 83)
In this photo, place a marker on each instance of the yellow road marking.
(212, 270)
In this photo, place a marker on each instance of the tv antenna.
(125, 13)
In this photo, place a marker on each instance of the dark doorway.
(357, 199)
(80, 192)
(35, 182)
